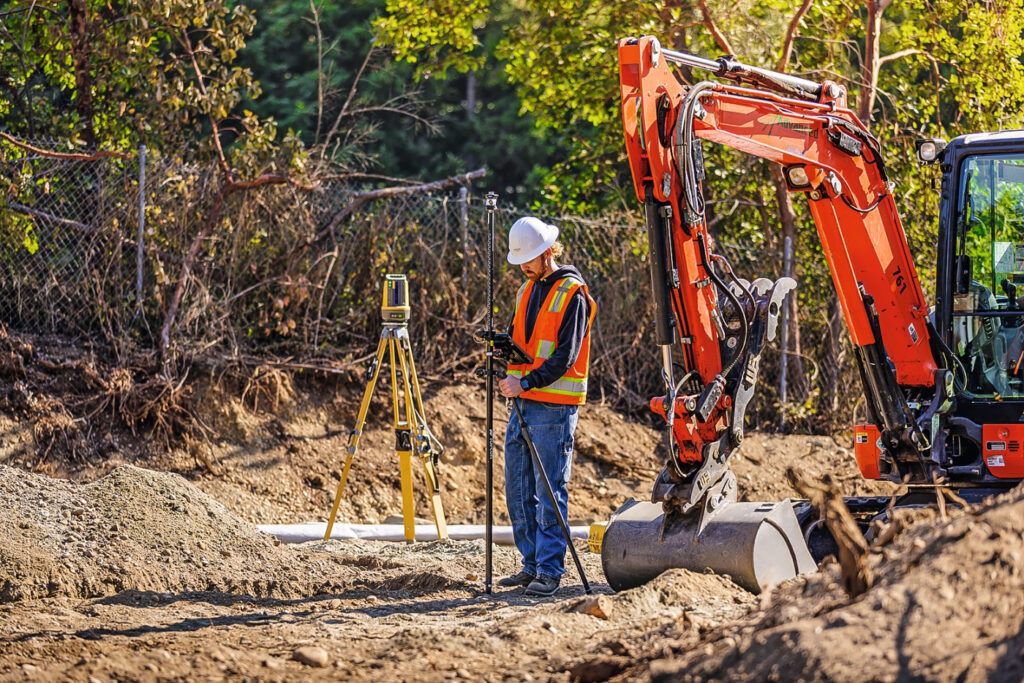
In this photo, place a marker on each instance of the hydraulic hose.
(744, 324)
(683, 145)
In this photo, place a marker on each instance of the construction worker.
(552, 321)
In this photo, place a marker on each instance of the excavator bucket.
(756, 544)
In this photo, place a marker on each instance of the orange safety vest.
(570, 388)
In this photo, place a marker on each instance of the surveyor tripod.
(411, 431)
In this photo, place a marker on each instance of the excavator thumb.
(756, 544)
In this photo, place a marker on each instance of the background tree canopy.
(309, 59)
(421, 90)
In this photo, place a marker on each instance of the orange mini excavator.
(944, 386)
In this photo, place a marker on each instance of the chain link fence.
(101, 249)
(65, 239)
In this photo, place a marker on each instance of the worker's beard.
(534, 271)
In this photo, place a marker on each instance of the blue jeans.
(535, 528)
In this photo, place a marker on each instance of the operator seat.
(976, 336)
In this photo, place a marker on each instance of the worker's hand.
(510, 387)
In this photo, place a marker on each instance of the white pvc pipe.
(314, 531)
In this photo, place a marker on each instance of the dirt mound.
(699, 596)
(761, 461)
(140, 530)
(947, 606)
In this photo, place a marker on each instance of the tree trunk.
(470, 96)
(78, 21)
(872, 55)
(795, 371)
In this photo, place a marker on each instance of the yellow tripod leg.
(403, 434)
(414, 406)
(353, 442)
(408, 505)
(435, 500)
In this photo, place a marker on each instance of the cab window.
(988, 334)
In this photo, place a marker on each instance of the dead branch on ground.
(853, 547)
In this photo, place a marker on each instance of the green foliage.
(561, 58)
(158, 72)
(435, 35)
(321, 65)
(961, 70)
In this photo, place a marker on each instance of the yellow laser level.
(395, 305)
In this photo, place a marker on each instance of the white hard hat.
(528, 238)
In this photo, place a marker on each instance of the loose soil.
(124, 560)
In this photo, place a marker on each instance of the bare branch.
(193, 250)
(61, 155)
(68, 223)
(348, 100)
(186, 43)
(791, 33)
(393, 110)
(854, 551)
(361, 198)
(370, 176)
(712, 28)
(319, 68)
(904, 53)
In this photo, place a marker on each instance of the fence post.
(787, 271)
(140, 250)
(464, 222)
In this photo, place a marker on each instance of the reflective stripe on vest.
(570, 388)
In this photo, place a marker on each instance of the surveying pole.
(492, 204)
(411, 431)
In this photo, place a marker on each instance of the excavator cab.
(980, 304)
(986, 332)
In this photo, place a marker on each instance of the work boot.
(523, 578)
(543, 586)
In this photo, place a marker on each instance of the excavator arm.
(713, 326)
(828, 155)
